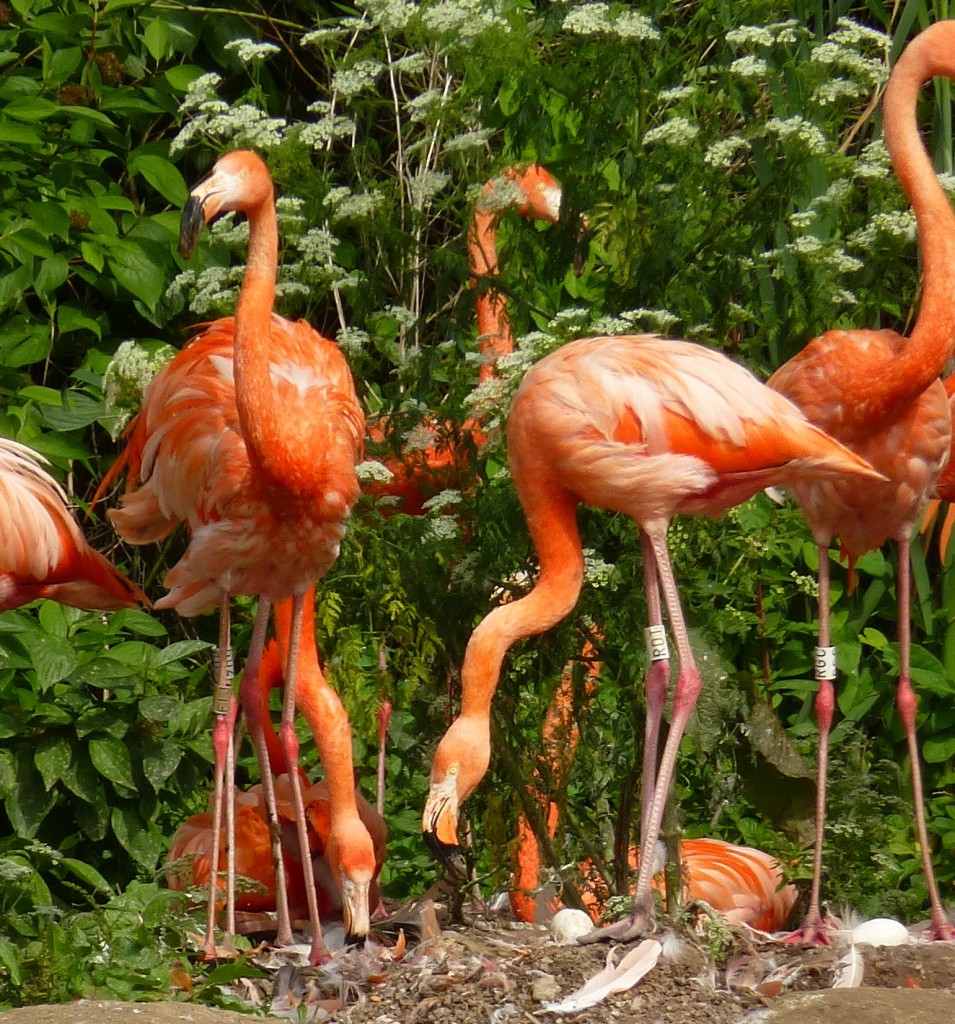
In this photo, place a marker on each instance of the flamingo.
(43, 552)
(879, 393)
(250, 437)
(742, 883)
(418, 475)
(647, 427)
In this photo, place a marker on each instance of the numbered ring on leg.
(657, 647)
(825, 664)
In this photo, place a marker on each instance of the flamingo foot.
(941, 930)
(816, 930)
(641, 921)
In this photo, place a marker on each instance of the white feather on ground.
(613, 978)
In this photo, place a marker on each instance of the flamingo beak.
(355, 912)
(440, 826)
(191, 223)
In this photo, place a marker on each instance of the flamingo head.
(238, 181)
(541, 191)
(350, 854)
(460, 762)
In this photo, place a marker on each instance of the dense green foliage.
(736, 192)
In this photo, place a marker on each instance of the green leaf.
(86, 874)
(82, 779)
(10, 960)
(53, 271)
(181, 77)
(160, 760)
(79, 410)
(159, 709)
(29, 802)
(49, 217)
(52, 758)
(76, 318)
(163, 176)
(14, 284)
(180, 649)
(938, 749)
(135, 621)
(136, 272)
(31, 108)
(139, 838)
(13, 134)
(110, 757)
(53, 660)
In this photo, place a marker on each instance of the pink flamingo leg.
(908, 705)
(817, 925)
(319, 953)
(688, 686)
(251, 701)
(225, 707)
(654, 686)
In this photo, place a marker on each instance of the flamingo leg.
(817, 925)
(319, 953)
(254, 713)
(225, 708)
(908, 705)
(655, 683)
(688, 686)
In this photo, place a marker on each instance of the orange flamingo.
(743, 884)
(43, 552)
(249, 436)
(649, 428)
(448, 463)
(879, 392)
(944, 488)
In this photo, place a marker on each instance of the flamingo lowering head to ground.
(879, 393)
(649, 428)
(249, 437)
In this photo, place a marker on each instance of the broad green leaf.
(60, 446)
(51, 273)
(10, 958)
(937, 750)
(53, 660)
(137, 273)
(28, 802)
(158, 39)
(163, 176)
(160, 760)
(52, 758)
(136, 621)
(139, 838)
(110, 757)
(31, 108)
(181, 649)
(76, 318)
(88, 114)
(14, 284)
(49, 217)
(111, 718)
(94, 255)
(61, 64)
(43, 395)
(93, 816)
(14, 134)
(159, 709)
(181, 77)
(79, 410)
(81, 778)
(89, 875)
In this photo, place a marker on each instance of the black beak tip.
(351, 939)
(449, 854)
(191, 224)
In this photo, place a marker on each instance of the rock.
(544, 988)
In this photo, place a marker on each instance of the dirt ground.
(492, 972)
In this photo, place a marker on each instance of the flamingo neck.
(553, 527)
(494, 330)
(922, 359)
(255, 395)
(322, 709)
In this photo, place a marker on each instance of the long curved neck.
(322, 709)
(931, 342)
(494, 330)
(553, 528)
(255, 393)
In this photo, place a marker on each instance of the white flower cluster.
(798, 129)
(316, 245)
(320, 36)
(201, 92)
(589, 19)
(871, 70)
(897, 225)
(749, 68)
(834, 90)
(372, 471)
(391, 15)
(678, 132)
(412, 63)
(874, 162)
(675, 94)
(216, 288)
(127, 375)
(356, 205)
(597, 572)
(834, 195)
(353, 340)
(319, 134)
(426, 185)
(468, 140)
(442, 527)
(722, 153)
(500, 193)
(448, 498)
(362, 75)
(467, 19)
(784, 32)
(241, 126)
(429, 102)
(250, 52)
(810, 248)
(655, 320)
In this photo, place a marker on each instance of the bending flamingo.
(43, 552)
(649, 428)
(879, 393)
(249, 437)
